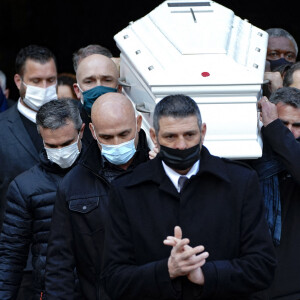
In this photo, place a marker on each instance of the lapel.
(214, 165)
(152, 170)
(165, 183)
(17, 129)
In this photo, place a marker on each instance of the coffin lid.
(194, 43)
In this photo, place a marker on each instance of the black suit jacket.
(17, 152)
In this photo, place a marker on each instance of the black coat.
(78, 226)
(220, 208)
(30, 201)
(86, 119)
(286, 285)
(17, 151)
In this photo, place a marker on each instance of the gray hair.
(279, 32)
(2, 81)
(286, 95)
(288, 76)
(56, 114)
(87, 51)
(176, 106)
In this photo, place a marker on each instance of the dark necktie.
(181, 181)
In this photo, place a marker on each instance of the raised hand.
(268, 111)
(184, 260)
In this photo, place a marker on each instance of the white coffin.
(201, 49)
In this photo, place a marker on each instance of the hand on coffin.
(268, 111)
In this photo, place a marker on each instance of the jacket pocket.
(85, 205)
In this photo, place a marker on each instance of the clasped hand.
(185, 260)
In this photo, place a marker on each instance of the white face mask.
(64, 157)
(35, 96)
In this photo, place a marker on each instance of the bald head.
(112, 107)
(113, 119)
(96, 64)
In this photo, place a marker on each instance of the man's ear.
(153, 137)
(77, 91)
(203, 133)
(92, 130)
(81, 131)
(139, 120)
(18, 80)
(119, 88)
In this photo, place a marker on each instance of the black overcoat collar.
(153, 170)
(93, 160)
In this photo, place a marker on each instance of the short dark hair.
(288, 77)
(286, 95)
(87, 51)
(67, 79)
(55, 114)
(176, 106)
(37, 53)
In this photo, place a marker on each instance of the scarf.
(268, 167)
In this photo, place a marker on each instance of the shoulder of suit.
(10, 113)
(138, 174)
(238, 163)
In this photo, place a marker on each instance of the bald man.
(78, 224)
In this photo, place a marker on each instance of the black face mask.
(179, 159)
(277, 63)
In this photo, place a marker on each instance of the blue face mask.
(118, 154)
(91, 95)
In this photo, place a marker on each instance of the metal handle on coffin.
(142, 108)
(122, 82)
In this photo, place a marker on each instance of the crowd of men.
(89, 211)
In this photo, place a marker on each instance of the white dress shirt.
(174, 176)
(26, 112)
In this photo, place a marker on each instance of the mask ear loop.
(96, 135)
(81, 100)
(136, 132)
(79, 87)
(78, 139)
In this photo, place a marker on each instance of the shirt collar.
(26, 112)
(174, 176)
